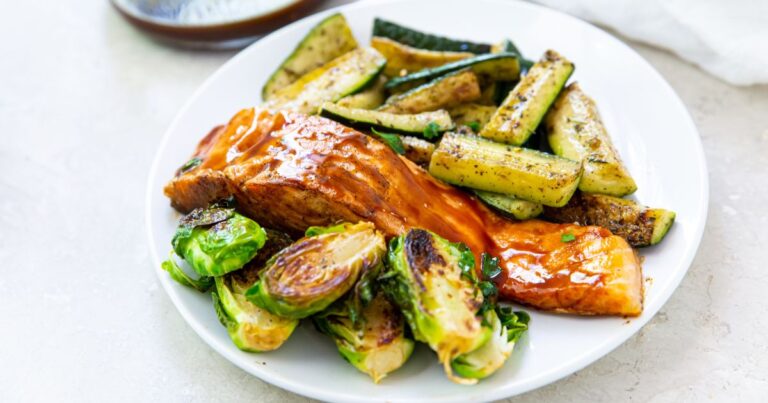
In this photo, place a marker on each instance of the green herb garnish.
(475, 126)
(431, 131)
(392, 140)
(189, 165)
(490, 266)
(567, 237)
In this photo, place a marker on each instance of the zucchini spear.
(639, 225)
(327, 40)
(575, 131)
(519, 172)
(527, 103)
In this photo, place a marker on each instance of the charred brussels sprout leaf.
(312, 273)
(201, 284)
(216, 241)
(376, 345)
(507, 328)
(208, 216)
(433, 282)
(251, 328)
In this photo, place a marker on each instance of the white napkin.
(727, 38)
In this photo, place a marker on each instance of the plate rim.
(505, 391)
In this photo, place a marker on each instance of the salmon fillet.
(290, 171)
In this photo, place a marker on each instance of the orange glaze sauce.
(398, 195)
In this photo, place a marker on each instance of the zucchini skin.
(327, 40)
(342, 76)
(509, 206)
(575, 131)
(422, 40)
(640, 226)
(494, 66)
(407, 124)
(526, 174)
(369, 98)
(409, 59)
(443, 92)
(528, 102)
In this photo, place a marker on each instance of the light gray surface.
(83, 105)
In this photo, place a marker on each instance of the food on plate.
(494, 167)
(423, 40)
(575, 131)
(390, 252)
(417, 150)
(250, 327)
(413, 124)
(402, 58)
(315, 271)
(359, 178)
(217, 240)
(517, 208)
(369, 98)
(435, 284)
(639, 225)
(202, 283)
(328, 40)
(496, 66)
(473, 115)
(525, 106)
(330, 82)
(443, 92)
(506, 329)
(376, 343)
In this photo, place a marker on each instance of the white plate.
(651, 129)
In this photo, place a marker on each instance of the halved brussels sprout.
(376, 345)
(507, 328)
(433, 282)
(217, 240)
(251, 328)
(309, 275)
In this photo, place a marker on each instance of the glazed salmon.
(290, 171)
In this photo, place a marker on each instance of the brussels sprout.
(376, 344)
(507, 328)
(433, 282)
(251, 328)
(216, 240)
(201, 284)
(309, 275)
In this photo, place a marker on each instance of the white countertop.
(84, 101)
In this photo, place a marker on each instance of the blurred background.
(88, 87)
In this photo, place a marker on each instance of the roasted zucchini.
(469, 114)
(328, 40)
(640, 226)
(342, 76)
(508, 46)
(422, 40)
(519, 172)
(444, 92)
(404, 59)
(492, 67)
(369, 98)
(575, 131)
(525, 106)
(364, 119)
(417, 150)
(508, 205)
